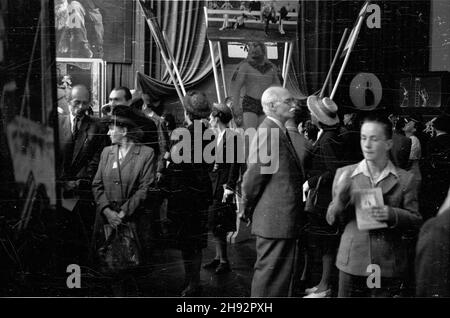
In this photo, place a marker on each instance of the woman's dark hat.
(197, 104)
(124, 116)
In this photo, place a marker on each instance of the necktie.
(76, 120)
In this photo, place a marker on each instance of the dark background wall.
(400, 47)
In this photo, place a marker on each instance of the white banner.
(32, 152)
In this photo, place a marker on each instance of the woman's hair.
(400, 124)
(196, 105)
(170, 121)
(311, 130)
(222, 112)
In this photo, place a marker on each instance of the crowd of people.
(337, 210)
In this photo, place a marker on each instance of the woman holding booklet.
(378, 204)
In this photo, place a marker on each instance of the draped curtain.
(184, 25)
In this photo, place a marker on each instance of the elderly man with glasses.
(272, 192)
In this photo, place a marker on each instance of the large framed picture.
(94, 29)
(74, 71)
(424, 91)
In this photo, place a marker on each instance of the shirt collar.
(220, 136)
(276, 121)
(363, 168)
(319, 133)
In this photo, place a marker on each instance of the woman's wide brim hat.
(324, 109)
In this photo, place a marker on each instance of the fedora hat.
(324, 109)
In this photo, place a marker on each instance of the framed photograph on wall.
(424, 91)
(89, 72)
(94, 29)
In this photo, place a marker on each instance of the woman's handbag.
(312, 198)
(121, 249)
(316, 207)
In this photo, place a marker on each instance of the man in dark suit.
(302, 146)
(401, 146)
(272, 192)
(433, 255)
(82, 139)
(436, 167)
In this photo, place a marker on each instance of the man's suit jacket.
(400, 150)
(80, 157)
(384, 247)
(433, 258)
(273, 200)
(163, 141)
(302, 146)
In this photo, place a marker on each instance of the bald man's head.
(79, 101)
(278, 102)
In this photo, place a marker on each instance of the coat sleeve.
(146, 178)
(331, 153)
(432, 260)
(235, 167)
(254, 181)
(100, 141)
(408, 216)
(163, 140)
(336, 208)
(98, 188)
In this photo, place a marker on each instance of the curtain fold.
(185, 27)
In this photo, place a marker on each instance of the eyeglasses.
(79, 103)
(290, 101)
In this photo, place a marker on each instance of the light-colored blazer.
(384, 247)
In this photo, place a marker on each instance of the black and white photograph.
(228, 153)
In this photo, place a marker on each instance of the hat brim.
(119, 120)
(313, 106)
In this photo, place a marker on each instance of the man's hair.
(222, 112)
(383, 121)
(271, 95)
(81, 86)
(126, 90)
(400, 124)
